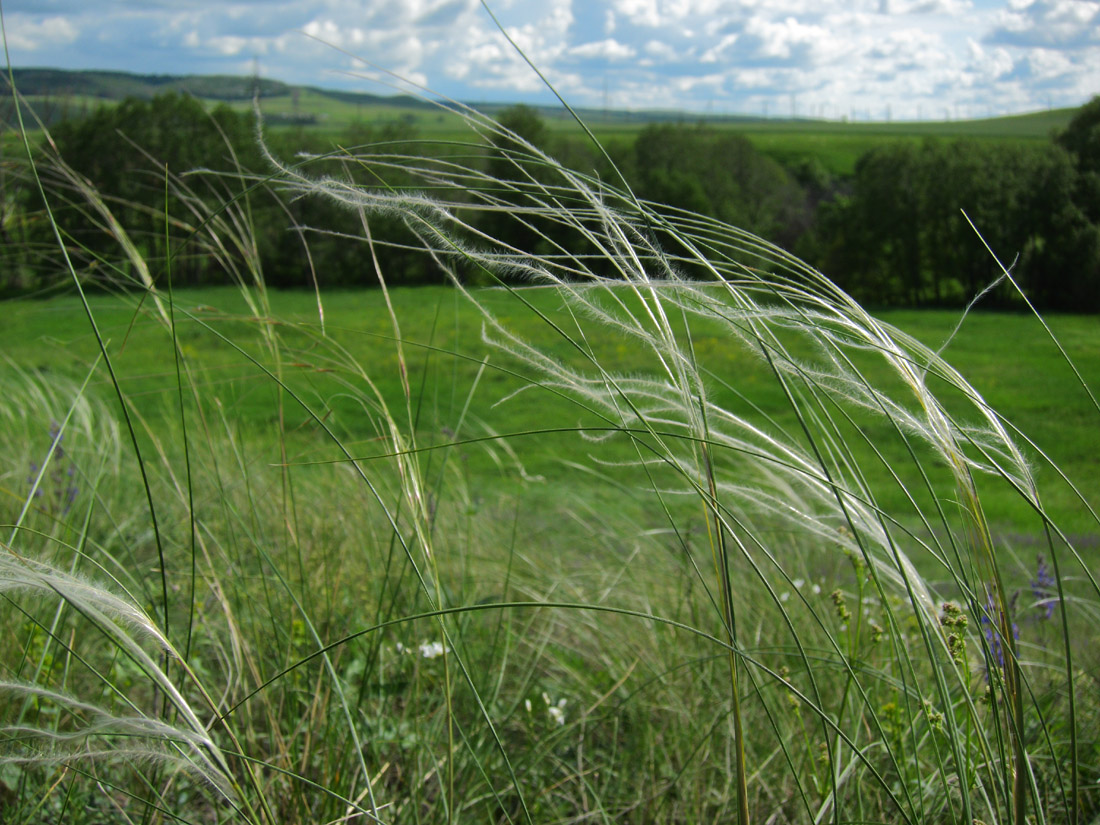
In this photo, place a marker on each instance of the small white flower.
(527, 704)
(798, 583)
(431, 650)
(817, 589)
(546, 698)
(557, 713)
(784, 596)
(400, 648)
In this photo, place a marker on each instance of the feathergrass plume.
(26, 575)
(126, 627)
(98, 735)
(884, 462)
(647, 274)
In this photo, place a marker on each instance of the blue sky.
(877, 59)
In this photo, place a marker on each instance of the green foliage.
(894, 233)
(165, 167)
(901, 235)
(719, 174)
(133, 154)
(1081, 137)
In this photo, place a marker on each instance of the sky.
(855, 59)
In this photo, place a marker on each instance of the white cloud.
(660, 51)
(755, 78)
(690, 84)
(27, 34)
(609, 49)
(903, 7)
(783, 39)
(739, 55)
(1049, 23)
(485, 60)
(228, 45)
(717, 51)
(1047, 64)
(639, 12)
(992, 64)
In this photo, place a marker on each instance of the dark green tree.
(1080, 250)
(904, 233)
(133, 155)
(212, 159)
(1081, 137)
(719, 174)
(513, 178)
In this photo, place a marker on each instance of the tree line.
(902, 230)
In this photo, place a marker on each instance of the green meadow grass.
(1007, 357)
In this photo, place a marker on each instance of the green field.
(835, 144)
(1034, 388)
(299, 553)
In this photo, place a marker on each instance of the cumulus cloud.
(639, 12)
(950, 7)
(24, 33)
(609, 49)
(777, 56)
(1049, 24)
(993, 64)
(660, 51)
(718, 51)
(788, 38)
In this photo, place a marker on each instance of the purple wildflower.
(993, 632)
(1044, 588)
(61, 482)
(32, 479)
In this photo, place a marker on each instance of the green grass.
(630, 546)
(835, 144)
(336, 117)
(1034, 386)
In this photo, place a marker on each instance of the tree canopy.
(898, 231)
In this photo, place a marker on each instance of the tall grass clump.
(316, 585)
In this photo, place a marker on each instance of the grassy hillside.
(836, 144)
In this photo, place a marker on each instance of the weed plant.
(328, 620)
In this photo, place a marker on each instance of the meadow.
(312, 113)
(835, 144)
(663, 528)
(441, 332)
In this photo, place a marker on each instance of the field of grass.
(1034, 388)
(596, 710)
(624, 546)
(835, 144)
